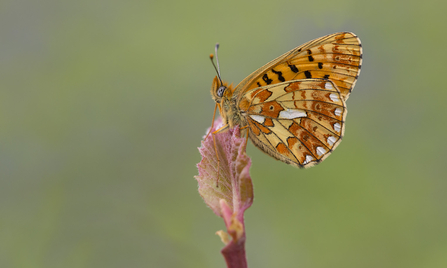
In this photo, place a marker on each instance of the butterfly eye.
(220, 91)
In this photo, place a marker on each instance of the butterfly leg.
(246, 137)
(222, 129)
(212, 123)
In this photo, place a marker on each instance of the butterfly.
(294, 107)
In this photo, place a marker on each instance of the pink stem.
(234, 254)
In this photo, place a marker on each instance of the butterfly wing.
(337, 57)
(298, 122)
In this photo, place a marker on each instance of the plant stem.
(234, 254)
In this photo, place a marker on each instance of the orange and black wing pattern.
(298, 122)
(337, 57)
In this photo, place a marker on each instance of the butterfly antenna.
(214, 65)
(217, 58)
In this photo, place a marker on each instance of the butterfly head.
(220, 90)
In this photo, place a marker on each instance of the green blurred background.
(104, 103)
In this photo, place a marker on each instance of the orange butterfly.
(294, 106)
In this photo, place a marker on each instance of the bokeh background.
(104, 103)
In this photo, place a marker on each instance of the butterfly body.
(294, 107)
(231, 114)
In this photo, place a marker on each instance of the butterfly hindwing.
(337, 57)
(298, 122)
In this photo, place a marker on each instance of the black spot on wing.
(293, 68)
(266, 79)
(320, 65)
(307, 74)
(280, 77)
(310, 57)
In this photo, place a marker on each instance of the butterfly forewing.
(299, 122)
(337, 57)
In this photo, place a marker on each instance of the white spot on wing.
(320, 151)
(328, 86)
(331, 140)
(308, 159)
(337, 112)
(337, 127)
(258, 118)
(334, 97)
(291, 114)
